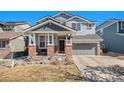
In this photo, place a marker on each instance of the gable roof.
(80, 19)
(10, 35)
(106, 24)
(65, 13)
(46, 18)
(49, 21)
(15, 23)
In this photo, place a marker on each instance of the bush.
(55, 62)
(68, 60)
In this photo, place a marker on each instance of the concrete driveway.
(82, 61)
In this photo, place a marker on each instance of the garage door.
(84, 49)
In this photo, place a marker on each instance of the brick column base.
(50, 50)
(98, 49)
(68, 50)
(32, 50)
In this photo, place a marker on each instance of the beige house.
(12, 38)
(11, 42)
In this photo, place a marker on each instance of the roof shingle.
(9, 35)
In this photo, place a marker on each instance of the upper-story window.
(90, 26)
(76, 26)
(122, 25)
(8, 27)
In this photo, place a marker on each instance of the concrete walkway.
(83, 61)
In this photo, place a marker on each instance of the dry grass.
(41, 73)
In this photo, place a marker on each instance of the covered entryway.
(84, 49)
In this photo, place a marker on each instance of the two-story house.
(112, 31)
(12, 38)
(63, 33)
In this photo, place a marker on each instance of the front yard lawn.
(41, 73)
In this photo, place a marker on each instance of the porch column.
(29, 39)
(68, 46)
(50, 44)
(34, 41)
(32, 46)
(98, 48)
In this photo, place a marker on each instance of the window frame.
(76, 26)
(39, 41)
(50, 39)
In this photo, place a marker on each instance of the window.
(76, 26)
(42, 43)
(122, 25)
(8, 27)
(90, 26)
(50, 39)
(2, 44)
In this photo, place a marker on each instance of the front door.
(61, 46)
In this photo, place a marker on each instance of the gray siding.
(84, 27)
(113, 42)
(84, 49)
(104, 24)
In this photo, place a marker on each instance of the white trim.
(48, 39)
(79, 18)
(77, 26)
(101, 32)
(34, 39)
(117, 26)
(62, 13)
(52, 39)
(49, 21)
(39, 41)
(48, 17)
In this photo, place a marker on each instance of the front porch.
(50, 44)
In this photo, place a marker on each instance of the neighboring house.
(63, 33)
(112, 31)
(12, 38)
(14, 26)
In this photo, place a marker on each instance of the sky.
(33, 16)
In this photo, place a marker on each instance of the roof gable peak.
(62, 13)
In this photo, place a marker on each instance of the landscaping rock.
(104, 74)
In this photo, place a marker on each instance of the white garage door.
(84, 49)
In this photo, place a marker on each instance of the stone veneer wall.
(32, 50)
(50, 50)
(68, 50)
